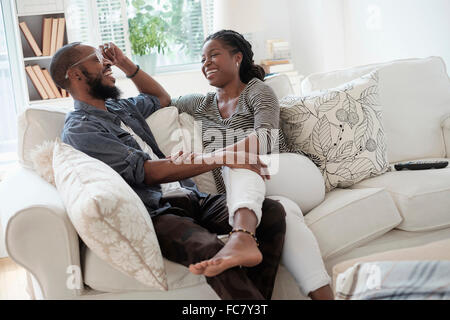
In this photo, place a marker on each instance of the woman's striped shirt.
(257, 110)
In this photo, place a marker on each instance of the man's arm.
(168, 170)
(142, 80)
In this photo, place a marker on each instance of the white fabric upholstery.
(422, 196)
(349, 218)
(446, 133)
(36, 125)
(280, 84)
(102, 276)
(415, 94)
(39, 235)
(166, 130)
(295, 177)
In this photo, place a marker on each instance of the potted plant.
(148, 35)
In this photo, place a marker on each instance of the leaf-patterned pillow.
(340, 129)
(108, 215)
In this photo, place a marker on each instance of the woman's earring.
(237, 64)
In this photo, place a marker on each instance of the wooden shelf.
(33, 13)
(41, 13)
(37, 58)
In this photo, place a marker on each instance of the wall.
(381, 30)
(328, 35)
(335, 34)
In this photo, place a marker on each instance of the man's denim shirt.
(98, 134)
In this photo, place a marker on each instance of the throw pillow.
(340, 129)
(108, 215)
(42, 160)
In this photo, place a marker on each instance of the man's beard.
(100, 91)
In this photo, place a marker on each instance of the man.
(186, 221)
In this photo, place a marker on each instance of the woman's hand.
(245, 160)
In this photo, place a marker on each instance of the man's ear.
(75, 74)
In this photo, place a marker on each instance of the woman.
(242, 115)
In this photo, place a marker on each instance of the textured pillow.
(174, 132)
(340, 129)
(42, 161)
(108, 215)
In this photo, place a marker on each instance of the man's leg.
(183, 241)
(270, 234)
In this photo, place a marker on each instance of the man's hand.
(113, 53)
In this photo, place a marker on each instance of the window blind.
(113, 23)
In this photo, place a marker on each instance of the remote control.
(421, 165)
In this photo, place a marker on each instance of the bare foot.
(323, 293)
(240, 250)
(198, 268)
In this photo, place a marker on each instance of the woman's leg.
(301, 254)
(292, 176)
(244, 201)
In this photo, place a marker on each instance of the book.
(272, 62)
(278, 68)
(60, 34)
(46, 36)
(51, 83)
(34, 79)
(29, 37)
(54, 35)
(40, 75)
(64, 93)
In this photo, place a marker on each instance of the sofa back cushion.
(36, 125)
(415, 94)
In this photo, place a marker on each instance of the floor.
(13, 281)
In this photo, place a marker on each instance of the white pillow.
(192, 136)
(108, 215)
(174, 132)
(340, 129)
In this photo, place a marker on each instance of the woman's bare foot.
(323, 293)
(240, 250)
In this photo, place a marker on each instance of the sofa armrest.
(39, 235)
(446, 133)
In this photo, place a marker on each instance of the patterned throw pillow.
(108, 215)
(340, 129)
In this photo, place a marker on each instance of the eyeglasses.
(96, 53)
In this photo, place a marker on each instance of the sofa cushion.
(100, 275)
(192, 137)
(348, 218)
(108, 215)
(415, 94)
(36, 125)
(422, 196)
(446, 131)
(340, 129)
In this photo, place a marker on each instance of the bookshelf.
(30, 19)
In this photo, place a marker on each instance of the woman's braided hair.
(248, 69)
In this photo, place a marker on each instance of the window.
(8, 121)
(186, 23)
(184, 26)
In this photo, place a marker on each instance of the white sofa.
(395, 210)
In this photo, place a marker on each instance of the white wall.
(381, 30)
(328, 35)
(335, 34)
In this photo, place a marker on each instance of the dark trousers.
(187, 233)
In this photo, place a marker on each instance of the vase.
(147, 62)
